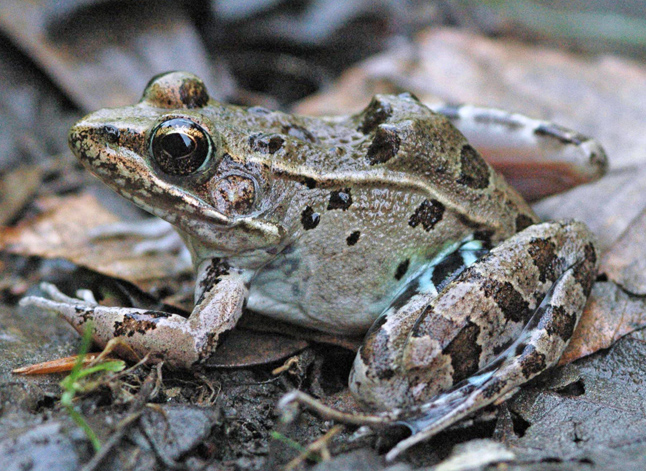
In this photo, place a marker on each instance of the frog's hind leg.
(378, 378)
(537, 157)
(561, 258)
(437, 358)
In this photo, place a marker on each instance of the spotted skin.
(382, 219)
(537, 311)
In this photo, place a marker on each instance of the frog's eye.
(180, 146)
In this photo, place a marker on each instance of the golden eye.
(180, 146)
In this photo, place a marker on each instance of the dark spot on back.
(428, 214)
(402, 269)
(543, 253)
(376, 113)
(532, 362)
(353, 238)
(464, 352)
(384, 146)
(557, 321)
(341, 199)
(523, 221)
(309, 182)
(266, 143)
(508, 299)
(474, 171)
(309, 219)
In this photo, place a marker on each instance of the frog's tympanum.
(387, 222)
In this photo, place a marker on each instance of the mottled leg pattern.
(537, 157)
(501, 322)
(178, 341)
(377, 373)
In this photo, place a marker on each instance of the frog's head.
(166, 155)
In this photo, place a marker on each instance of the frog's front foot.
(140, 328)
(58, 302)
(177, 341)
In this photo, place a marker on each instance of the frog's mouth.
(114, 153)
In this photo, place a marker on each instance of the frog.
(386, 222)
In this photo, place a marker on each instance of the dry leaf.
(61, 232)
(234, 352)
(81, 60)
(17, 187)
(625, 262)
(609, 315)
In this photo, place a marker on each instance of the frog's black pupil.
(180, 146)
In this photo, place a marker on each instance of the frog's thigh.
(177, 341)
(490, 313)
(537, 157)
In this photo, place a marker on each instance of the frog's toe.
(55, 294)
(68, 310)
(71, 309)
(87, 296)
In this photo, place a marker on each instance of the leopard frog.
(387, 222)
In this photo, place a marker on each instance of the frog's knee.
(373, 390)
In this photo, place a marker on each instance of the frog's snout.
(79, 139)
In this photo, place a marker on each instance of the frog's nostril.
(110, 133)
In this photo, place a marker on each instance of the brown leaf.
(82, 59)
(16, 189)
(609, 315)
(61, 232)
(234, 352)
(625, 262)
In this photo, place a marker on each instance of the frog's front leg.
(178, 341)
(501, 322)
